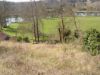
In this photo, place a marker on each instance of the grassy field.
(46, 59)
(50, 26)
(86, 23)
(49, 59)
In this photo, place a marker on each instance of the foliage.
(67, 35)
(76, 34)
(26, 39)
(19, 39)
(92, 41)
(23, 39)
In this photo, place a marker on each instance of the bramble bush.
(92, 41)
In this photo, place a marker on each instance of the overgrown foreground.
(46, 59)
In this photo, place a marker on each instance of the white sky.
(19, 0)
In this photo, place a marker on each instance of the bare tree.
(35, 21)
(3, 14)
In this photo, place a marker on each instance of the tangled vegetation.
(92, 41)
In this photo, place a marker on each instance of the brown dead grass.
(46, 59)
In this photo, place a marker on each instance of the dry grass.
(46, 59)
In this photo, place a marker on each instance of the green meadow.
(50, 25)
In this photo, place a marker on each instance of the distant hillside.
(71, 2)
(25, 8)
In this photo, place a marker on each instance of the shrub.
(26, 39)
(67, 35)
(92, 41)
(76, 34)
(19, 39)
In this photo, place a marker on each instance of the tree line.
(34, 12)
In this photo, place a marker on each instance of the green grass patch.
(11, 29)
(50, 25)
(86, 23)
